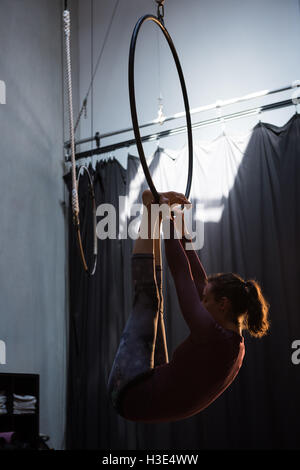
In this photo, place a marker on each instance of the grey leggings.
(143, 342)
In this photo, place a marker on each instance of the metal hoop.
(77, 225)
(135, 123)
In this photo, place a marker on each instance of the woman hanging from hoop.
(143, 385)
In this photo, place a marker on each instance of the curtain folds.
(248, 209)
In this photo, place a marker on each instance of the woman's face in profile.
(217, 308)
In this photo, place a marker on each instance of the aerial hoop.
(134, 117)
(91, 271)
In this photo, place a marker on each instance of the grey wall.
(32, 235)
(227, 49)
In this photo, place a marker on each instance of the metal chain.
(75, 202)
(160, 10)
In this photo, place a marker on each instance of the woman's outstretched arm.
(198, 271)
(197, 268)
(195, 314)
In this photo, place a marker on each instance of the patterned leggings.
(143, 343)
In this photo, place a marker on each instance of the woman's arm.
(196, 316)
(198, 271)
(197, 268)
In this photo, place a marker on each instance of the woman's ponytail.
(249, 307)
(256, 320)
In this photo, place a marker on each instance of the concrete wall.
(227, 49)
(33, 231)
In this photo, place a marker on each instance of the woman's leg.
(161, 355)
(149, 245)
(135, 356)
(161, 349)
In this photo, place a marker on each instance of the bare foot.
(147, 197)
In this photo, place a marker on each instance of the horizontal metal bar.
(182, 129)
(217, 105)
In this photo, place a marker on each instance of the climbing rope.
(75, 202)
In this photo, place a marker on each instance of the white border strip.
(2, 92)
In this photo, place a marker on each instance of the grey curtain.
(248, 193)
